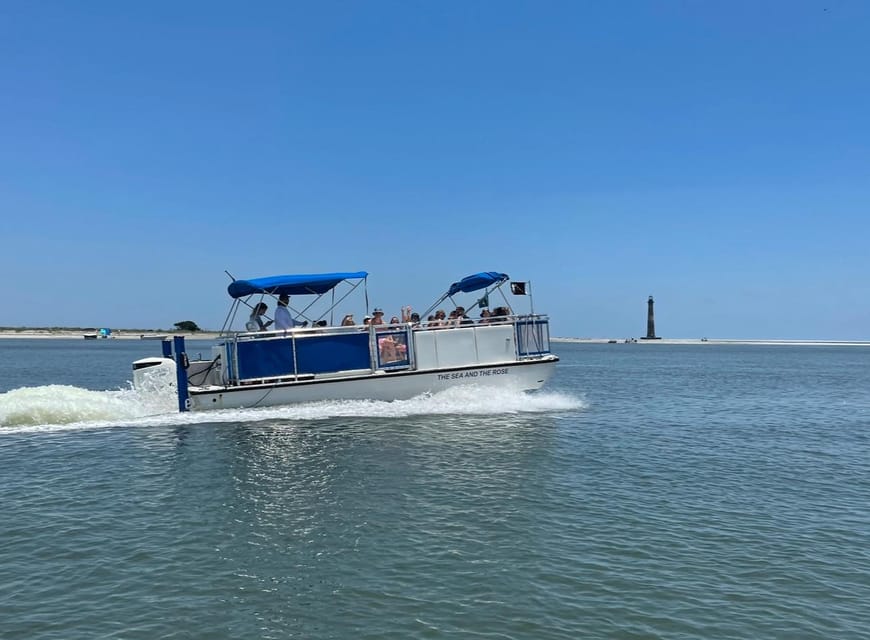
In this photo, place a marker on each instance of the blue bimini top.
(477, 281)
(315, 283)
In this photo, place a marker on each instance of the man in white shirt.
(282, 314)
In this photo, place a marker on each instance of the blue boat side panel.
(325, 354)
(229, 362)
(315, 354)
(265, 358)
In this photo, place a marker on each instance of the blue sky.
(714, 155)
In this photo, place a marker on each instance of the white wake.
(59, 407)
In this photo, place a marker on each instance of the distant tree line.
(187, 325)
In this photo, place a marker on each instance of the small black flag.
(518, 288)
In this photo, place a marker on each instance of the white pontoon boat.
(379, 362)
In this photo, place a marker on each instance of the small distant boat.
(101, 334)
(145, 336)
(378, 362)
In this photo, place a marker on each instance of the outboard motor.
(151, 373)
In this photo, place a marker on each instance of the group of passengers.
(283, 320)
(456, 318)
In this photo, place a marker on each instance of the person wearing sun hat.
(378, 316)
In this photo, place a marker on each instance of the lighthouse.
(650, 321)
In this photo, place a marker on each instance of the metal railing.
(531, 339)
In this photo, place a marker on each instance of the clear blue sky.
(713, 154)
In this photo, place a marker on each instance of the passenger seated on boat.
(257, 321)
(499, 314)
(485, 316)
(378, 316)
(461, 318)
(348, 320)
(415, 319)
(440, 319)
(394, 320)
(283, 320)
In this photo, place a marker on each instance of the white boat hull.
(525, 375)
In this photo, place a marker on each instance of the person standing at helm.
(283, 319)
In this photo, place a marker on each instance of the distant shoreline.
(122, 334)
(132, 334)
(720, 341)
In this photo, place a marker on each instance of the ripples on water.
(649, 491)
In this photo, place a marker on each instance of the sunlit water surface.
(649, 491)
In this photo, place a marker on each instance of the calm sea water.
(649, 491)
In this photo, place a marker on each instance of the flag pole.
(531, 299)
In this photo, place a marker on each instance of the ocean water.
(648, 491)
